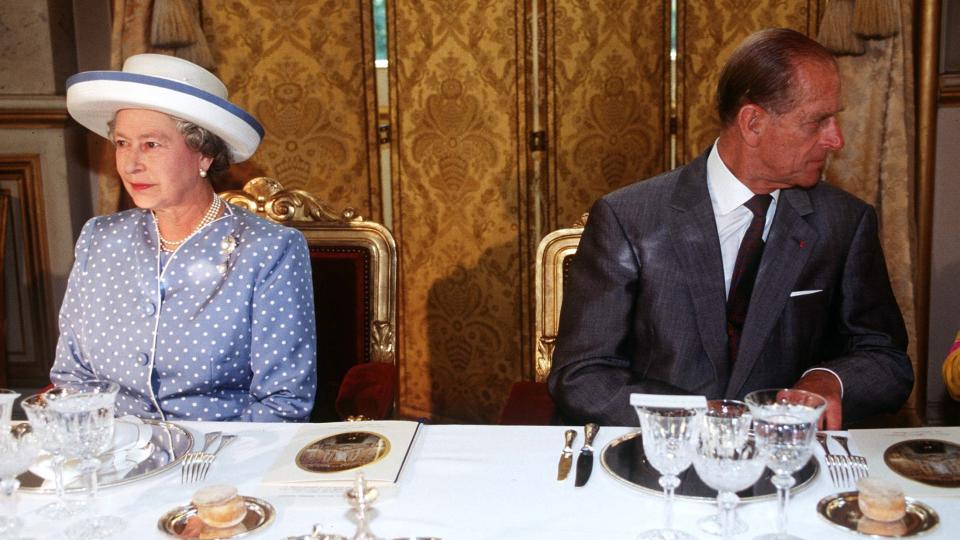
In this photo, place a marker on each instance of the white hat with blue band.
(169, 85)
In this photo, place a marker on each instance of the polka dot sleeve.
(283, 351)
(69, 363)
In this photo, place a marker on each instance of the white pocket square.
(804, 293)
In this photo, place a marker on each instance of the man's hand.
(827, 385)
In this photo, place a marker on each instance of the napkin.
(131, 446)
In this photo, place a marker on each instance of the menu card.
(873, 444)
(332, 454)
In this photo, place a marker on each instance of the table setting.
(484, 481)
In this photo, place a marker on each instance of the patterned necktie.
(745, 272)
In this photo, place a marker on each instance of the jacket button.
(149, 308)
(143, 359)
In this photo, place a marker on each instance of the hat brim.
(94, 97)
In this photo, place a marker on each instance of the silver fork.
(858, 464)
(192, 460)
(208, 458)
(839, 471)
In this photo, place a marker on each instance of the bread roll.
(881, 501)
(219, 506)
(881, 528)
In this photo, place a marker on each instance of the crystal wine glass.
(7, 398)
(19, 447)
(42, 420)
(669, 441)
(728, 460)
(785, 421)
(84, 420)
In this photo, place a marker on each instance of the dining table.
(457, 482)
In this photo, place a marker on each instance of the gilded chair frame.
(322, 226)
(548, 289)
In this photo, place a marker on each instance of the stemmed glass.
(83, 416)
(785, 421)
(19, 447)
(42, 420)
(669, 441)
(727, 459)
(7, 398)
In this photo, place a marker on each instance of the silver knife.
(566, 458)
(585, 461)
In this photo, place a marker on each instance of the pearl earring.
(203, 173)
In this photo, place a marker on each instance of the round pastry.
(866, 525)
(210, 533)
(880, 500)
(219, 506)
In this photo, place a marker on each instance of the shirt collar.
(726, 190)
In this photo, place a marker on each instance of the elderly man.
(740, 270)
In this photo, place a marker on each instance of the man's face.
(793, 146)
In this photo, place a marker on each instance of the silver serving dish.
(168, 444)
(626, 461)
(843, 511)
(260, 514)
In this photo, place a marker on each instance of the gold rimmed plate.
(843, 511)
(626, 461)
(168, 445)
(183, 522)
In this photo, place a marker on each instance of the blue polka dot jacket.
(221, 329)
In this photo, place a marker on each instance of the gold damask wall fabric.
(608, 83)
(707, 32)
(877, 162)
(304, 69)
(459, 178)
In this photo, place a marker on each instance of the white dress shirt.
(727, 196)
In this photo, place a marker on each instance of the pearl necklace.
(212, 213)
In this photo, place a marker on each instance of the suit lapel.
(693, 230)
(785, 254)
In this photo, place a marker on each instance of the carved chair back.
(554, 256)
(528, 402)
(354, 265)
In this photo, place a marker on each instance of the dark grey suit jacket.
(644, 307)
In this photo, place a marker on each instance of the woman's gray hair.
(198, 139)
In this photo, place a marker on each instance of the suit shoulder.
(835, 197)
(652, 189)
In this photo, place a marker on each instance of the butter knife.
(566, 458)
(585, 461)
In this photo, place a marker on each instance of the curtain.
(877, 162)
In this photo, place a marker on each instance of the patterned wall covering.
(706, 35)
(458, 115)
(305, 70)
(608, 77)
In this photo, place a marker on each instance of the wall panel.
(459, 181)
(607, 76)
(305, 70)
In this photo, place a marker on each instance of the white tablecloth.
(460, 482)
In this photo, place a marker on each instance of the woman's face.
(159, 170)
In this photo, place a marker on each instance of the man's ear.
(751, 120)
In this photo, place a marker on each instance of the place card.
(874, 444)
(668, 401)
(331, 454)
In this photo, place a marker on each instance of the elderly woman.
(197, 309)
